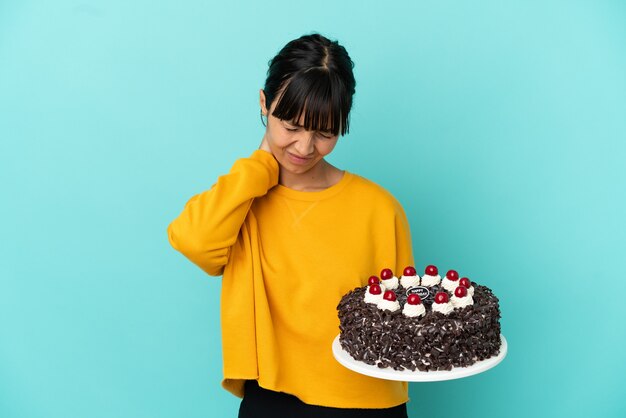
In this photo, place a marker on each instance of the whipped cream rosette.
(389, 302)
(375, 280)
(413, 306)
(388, 279)
(373, 294)
(450, 281)
(460, 298)
(431, 276)
(409, 277)
(442, 303)
(465, 282)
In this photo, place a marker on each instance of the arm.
(210, 222)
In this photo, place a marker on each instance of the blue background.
(499, 125)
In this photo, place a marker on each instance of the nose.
(304, 143)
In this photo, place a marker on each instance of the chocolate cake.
(458, 325)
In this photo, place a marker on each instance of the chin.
(297, 168)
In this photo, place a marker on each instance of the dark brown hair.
(312, 75)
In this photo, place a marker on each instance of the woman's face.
(296, 149)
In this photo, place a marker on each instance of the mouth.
(296, 159)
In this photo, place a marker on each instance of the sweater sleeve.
(210, 222)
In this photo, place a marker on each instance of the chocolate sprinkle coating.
(432, 342)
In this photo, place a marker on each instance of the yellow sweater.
(287, 257)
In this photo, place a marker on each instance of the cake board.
(346, 360)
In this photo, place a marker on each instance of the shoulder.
(374, 193)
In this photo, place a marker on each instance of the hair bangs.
(319, 95)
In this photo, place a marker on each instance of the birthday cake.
(422, 323)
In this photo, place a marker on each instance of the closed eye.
(290, 127)
(297, 128)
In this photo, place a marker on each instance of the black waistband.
(260, 402)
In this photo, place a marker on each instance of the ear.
(262, 102)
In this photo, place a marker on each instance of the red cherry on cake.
(375, 289)
(460, 292)
(465, 282)
(452, 275)
(373, 280)
(413, 299)
(386, 274)
(409, 271)
(441, 297)
(431, 270)
(390, 295)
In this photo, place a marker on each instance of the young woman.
(291, 234)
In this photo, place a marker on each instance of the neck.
(320, 177)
